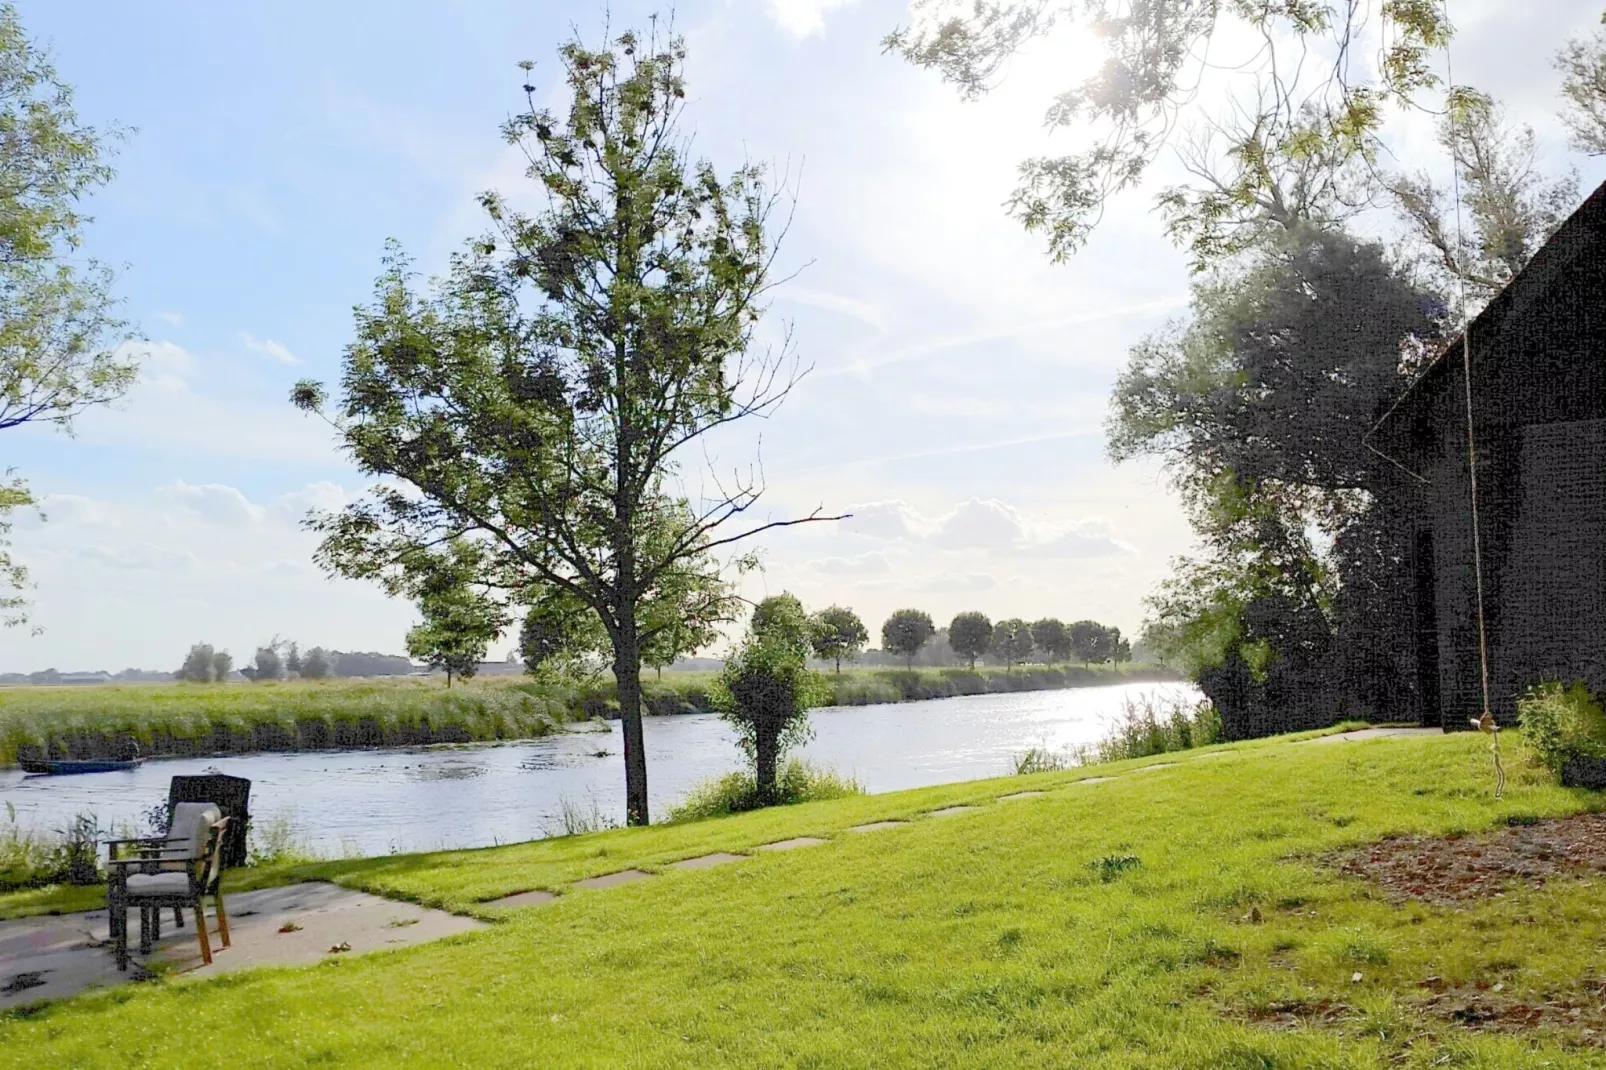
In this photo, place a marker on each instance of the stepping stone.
(1021, 795)
(792, 844)
(523, 899)
(877, 825)
(1156, 765)
(1093, 780)
(1212, 754)
(718, 858)
(612, 880)
(950, 811)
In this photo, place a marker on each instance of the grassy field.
(191, 719)
(1182, 916)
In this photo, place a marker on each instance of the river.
(386, 801)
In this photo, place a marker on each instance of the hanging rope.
(1486, 722)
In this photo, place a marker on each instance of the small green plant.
(1560, 723)
(576, 820)
(1110, 867)
(276, 840)
(1042, 760)
(798, 782)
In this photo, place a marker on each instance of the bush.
(1151, 725)
(798, 782)
(1561, 723)
(30, 860)
(1042, 760)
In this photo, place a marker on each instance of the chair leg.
(178, 917)
(200, 932)
(222, 918)
(117, 922)
(146, 942)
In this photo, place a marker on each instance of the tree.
(1052, 638)
(316, 665)
(905, 632)
(60, 338)
(539, 400)
(1087, 641)
(222, 665)
(1511, 209)
(1299, 144)
(1583, 86)
(1123, 649)
(970, 635)
(459, 621)
(268, 664)
(766, 689)
(782, 615)
(292, 659)
(197, 667)
(836, 632)
(1012, 642)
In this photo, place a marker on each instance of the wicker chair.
(167, 873)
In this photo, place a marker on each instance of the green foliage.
(1050, 636)
(1583, 86)
(31, 859)
(970, 635)
(1560, 723)
(544, 433)
(267, 665)
(222, 665)
(766, 689)
(836, 632)
(459, 621)
(198, 667)
(905, 632)
(1042, 760)
(1012, 642)
(734, 793)
(1151, 725)
(316, 665)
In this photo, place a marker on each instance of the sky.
(958, 383)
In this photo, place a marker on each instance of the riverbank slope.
(192, 720)
(1191, 911)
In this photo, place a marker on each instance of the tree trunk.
(766, 747)
(839, 665)
(627, 681)
(448, 679)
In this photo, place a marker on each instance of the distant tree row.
(971, 635)
(281, 659)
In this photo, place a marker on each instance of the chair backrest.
(231, 794)
(212, 859)
(190, 823)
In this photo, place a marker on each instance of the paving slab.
(876, 826)
(792, 844)
(1094, 780)
(1022, 795)
(951, 811)
(1374, 733)
(523, 899)
(718, 858)
(613, 880)
(50, 957)
(1152, 768)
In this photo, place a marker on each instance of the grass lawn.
(1184, 916)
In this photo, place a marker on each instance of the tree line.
(282, 659)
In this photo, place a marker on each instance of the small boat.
(44, 767)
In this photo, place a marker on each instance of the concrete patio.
(54, 956)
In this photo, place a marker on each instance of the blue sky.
(960, 379)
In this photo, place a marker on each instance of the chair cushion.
(191, 820)
(158, 884)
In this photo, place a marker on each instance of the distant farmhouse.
(1538, 404)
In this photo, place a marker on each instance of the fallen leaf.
(289, 927)
(338, 948)
(1355, 978)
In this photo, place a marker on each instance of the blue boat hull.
(66, 768)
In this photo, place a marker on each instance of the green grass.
(1140, 922)
(192, 719)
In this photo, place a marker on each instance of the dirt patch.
(1484, 1008)
(1458, 869)
(1291, 1014)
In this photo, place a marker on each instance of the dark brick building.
(1538, 358)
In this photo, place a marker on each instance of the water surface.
(374, 802)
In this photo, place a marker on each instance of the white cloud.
(1093, 537)
(322, 496)
(169, 317)
(961, 582)
(216, 502)
(165, 366)
(140, 556)
(75, 509)
(980, 525)
(269, 348)
(804, 18)
(894, 519)
(866, 564)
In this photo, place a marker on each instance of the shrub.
(30, 860)
(798, 782)
(1151, 725)
(1042, 760)
(1561, 723)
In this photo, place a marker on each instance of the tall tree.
(1012, 642)
(1583, 86)
(222, 665)
(60, 336)
(316, 665)
(836, 632)
(197, 667)
(905, 632)
(970, 635)
(542, 399)
(457, 628)
(766, 689)
(1297, 140)
(1052, 638)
